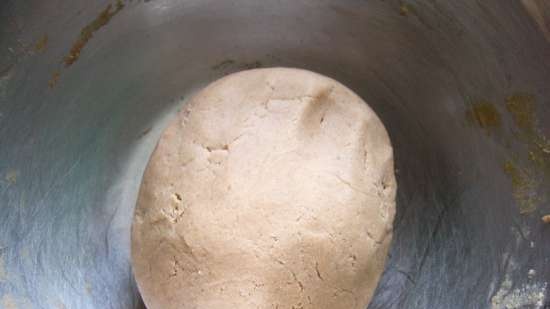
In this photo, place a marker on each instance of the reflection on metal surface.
(540, 11)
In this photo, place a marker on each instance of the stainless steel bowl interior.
(462, 87)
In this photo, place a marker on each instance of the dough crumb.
(11, 176)
(531, 274)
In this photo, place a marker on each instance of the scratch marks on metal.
(3, 273)
(538, 9)
(5, 77)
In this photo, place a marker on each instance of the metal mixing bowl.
(462, 86)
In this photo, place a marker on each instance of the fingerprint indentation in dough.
(175, 210)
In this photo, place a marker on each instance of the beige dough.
(273, 188)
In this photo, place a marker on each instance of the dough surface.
(272, 188)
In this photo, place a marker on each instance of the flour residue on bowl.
(524, 187)
(11, 176)
(515, 296)
(528, 178)
(523, 109)
(526, 295)
(528, 171)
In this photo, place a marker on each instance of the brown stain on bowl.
(252, 65)
(484, 114)
(528, 178)
(54, 79)
(524, 187)
(529, 171)
(522, 108)
(41, 44)
(228, 63)
(87, 32)
(223, 64)
(404, 9)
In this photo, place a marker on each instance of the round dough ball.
(272, 188)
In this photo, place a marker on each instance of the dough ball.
(272, 188)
